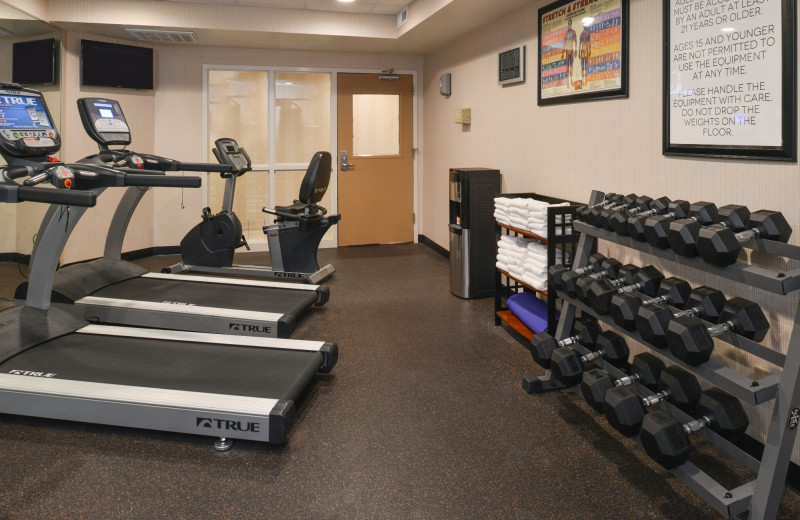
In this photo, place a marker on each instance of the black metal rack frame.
(560, 236)
(760, 496)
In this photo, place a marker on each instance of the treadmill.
(55, 365)
(113, 291)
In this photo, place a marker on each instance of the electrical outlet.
(760, 373)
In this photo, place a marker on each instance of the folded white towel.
(507, 260)
(540, 285)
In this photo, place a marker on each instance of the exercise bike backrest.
(312, 189)
(318, 176)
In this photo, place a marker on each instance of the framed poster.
(730, 79)
(583, 51)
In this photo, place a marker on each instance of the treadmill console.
(104, 121)
(26, 128)
(227, 151)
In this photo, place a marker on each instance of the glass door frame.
(273, 167)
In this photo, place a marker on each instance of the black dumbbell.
(683, 233)
(647, 279)
(619, 221)
(624, 276)
(625, 410)
(625, 306)
(640, 204)
(556, 272)
(652, 320)
(636, 224)
(645, 369)
(593, 214)
(691, 341)
(609, 199)
(608, 268)
(721, 246)
(667, 441)
(656, 228)
(585, 331)
(567, 365)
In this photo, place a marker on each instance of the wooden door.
(376, 131)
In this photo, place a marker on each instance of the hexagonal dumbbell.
(667, 441)
(629, 209)
(624, 276)
(567, 365)
(691, 341)
(608, 268)
(625, 306)
(652, 320)
(556, 272)
(721, 246)
(625, 410)
(681, 232)
(583, 212)
(647, 279)
(645, 369)
(585, 331)
(619, 220)
(656, 228)
(635, 225)
(593, 215)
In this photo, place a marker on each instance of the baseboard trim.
(433, 245)
(17, 258)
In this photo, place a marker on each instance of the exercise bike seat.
(312, 189)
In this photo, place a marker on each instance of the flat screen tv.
(34, 62)
(114, 65)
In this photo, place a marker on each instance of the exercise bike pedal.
(244, 243)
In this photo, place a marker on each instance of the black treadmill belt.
(263, 299)
(199, 367)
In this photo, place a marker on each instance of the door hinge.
(413, 218)
(413, 90)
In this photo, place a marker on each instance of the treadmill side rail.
(211, 415)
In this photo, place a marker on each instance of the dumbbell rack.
(761, 496)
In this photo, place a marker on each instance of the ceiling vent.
(153, 35)
(402, 16)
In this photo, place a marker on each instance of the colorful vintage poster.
(581, 48)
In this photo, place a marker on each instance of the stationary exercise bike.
(293, 239)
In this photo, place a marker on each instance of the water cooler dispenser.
(472, 231)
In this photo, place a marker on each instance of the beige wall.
(179, 111)
(561, 151)
(89, 235)
(21, 221)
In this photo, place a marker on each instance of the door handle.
(343, 164)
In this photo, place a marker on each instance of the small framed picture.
(511, 66)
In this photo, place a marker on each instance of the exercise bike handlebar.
(70, 198)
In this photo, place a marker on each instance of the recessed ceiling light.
(346, 1)
(727, 29)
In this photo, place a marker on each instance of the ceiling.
(391, 7)
(315, 25)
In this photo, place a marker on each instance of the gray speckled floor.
(423, 417)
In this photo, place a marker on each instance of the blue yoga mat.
(530, 310)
